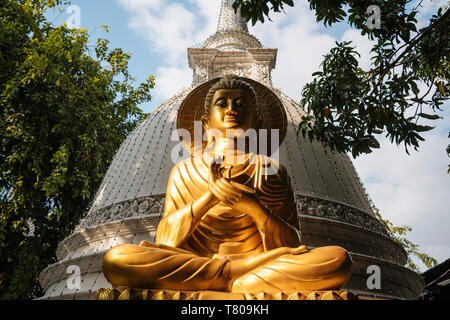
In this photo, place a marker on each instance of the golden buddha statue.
(230, 222)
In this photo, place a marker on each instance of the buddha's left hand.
(236, 195)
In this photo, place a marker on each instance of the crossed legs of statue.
(155, 266)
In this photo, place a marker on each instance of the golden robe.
(188, 255)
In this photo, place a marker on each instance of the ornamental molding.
(232, 40)
(124, 293)
(321, 208)
(139, 207)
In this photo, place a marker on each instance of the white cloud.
(209, 11)
(170, 80)
(141, 4)
(426, 9)
(300, 47)
(169, 31)
(170, 28)
(413, 190)
(429, 6)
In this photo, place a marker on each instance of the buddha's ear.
(205, 122)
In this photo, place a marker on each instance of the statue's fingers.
(242, 188)
(299, 250)
(211, 172)
(227, 196)
(222, 171)
(145, 243)
(230, 186)
(214, 170)
(222, 196)
(217, 161)
(228, 189)
(218, 194)
(227, 172)
(213, 167)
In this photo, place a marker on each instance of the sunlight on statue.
(227, 224)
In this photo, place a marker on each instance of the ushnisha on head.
(231, 107)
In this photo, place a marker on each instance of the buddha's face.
(231, 109)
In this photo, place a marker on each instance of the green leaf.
(289, 2)
(429, 116)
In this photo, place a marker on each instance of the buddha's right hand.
(297, 250)
(222, 187)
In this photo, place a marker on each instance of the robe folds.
(187, 253)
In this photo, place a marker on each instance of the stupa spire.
(229, 20)
(231, 50)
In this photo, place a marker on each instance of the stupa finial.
(229, 20)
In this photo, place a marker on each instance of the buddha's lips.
(231, 119)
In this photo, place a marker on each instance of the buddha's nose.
(230, 112)
(231, 109)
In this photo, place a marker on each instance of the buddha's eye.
(221, 104)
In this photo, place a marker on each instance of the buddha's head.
(234, 104)
(231, 107)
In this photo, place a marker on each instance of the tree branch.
(420, 37)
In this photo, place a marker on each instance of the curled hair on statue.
(232, 82)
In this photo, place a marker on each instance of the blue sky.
(111, 13)
(409, 190)
(145, 59)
